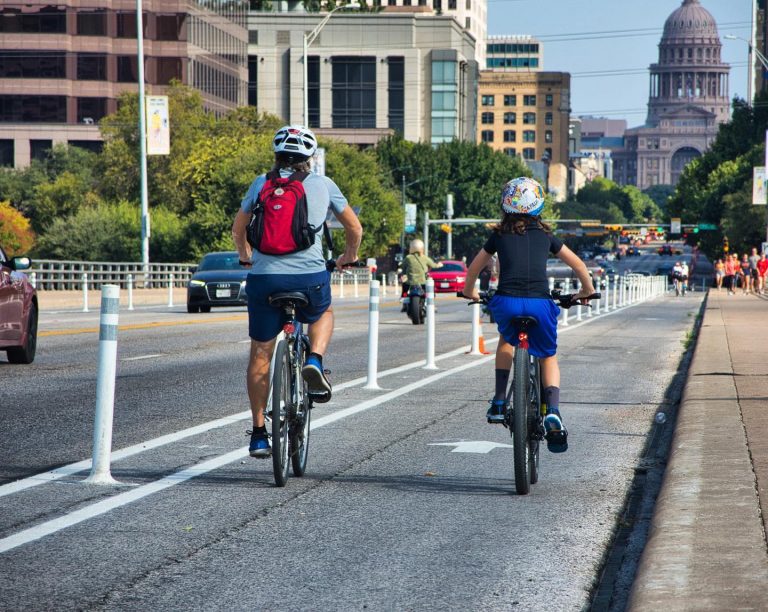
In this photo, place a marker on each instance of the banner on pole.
(758, 186)
(158, 128)
(410, 218)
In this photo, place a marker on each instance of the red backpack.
(279, 222)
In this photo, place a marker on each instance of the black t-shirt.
(523, 261)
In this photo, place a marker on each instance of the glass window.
(168, 68)
(529, 153)
(7, 151)
(92, 22)
(467, 23)
(353, 91)
(529, 100)
(529, 118)
(253, 80)
(452, 5)
(39, 149)
(51, 19)
(511, 151)
(90, 110)
(510, 100)
(396, 67)
(549, 100)
(510, 118)
(91, 67)
(529, 136)
(548, 118)
(510, 136)
(548, 136)
(127, 69)
(89, 145)
(32, 64)
(486, 135)
(33, 109)
(313, 90)
(486, 118)
(487, 100)
(444, 73)
(126, 25)
(169, 26)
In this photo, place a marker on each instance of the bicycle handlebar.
(330, 265)
(565, 301)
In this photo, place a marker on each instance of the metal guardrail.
(58, 275)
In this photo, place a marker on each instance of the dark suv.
(18, 310)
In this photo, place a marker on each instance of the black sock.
(552, 398)
(259, 430)
(502, 379)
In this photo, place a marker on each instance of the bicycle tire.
(534, 442)
(520, 406)
(298, 434)
(281, 402)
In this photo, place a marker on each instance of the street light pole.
(308, 40)
(142, 142)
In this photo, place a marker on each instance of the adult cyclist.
(304, 271)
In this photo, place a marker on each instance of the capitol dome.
(691, 20)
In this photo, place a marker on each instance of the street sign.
(707, 226)
(674, 225)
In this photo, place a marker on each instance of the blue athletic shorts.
(265, 321)
(542, 338)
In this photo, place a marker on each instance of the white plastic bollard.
(170, 291)
(85, 292)
(357, 293)
(615, 290)
(566, 290)
(383, 285)
(373, 337)
(551, 284)
(130, 292)
(599, 301)
(33, 279)
(578, 306)
(475, 347)
(430, 325)
(105, 387)
(341, 284)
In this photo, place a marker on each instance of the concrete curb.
(706, 549)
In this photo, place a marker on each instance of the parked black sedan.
(219, 280)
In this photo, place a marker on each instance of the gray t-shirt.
(322, 194)
(753, 259)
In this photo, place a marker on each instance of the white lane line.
(140, 357)
(80, 466)
(123, 499)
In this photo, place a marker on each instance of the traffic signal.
(614, 228)
(726, 247)
(446, 228)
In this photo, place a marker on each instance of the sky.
(620, 37)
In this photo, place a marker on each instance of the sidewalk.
(707, 548)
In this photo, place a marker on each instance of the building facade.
(63, 66)
(688, 100)
(514, 54)
(527, 114)
(368, 74)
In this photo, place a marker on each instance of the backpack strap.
(298, 176)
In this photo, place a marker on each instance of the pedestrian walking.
(762, 269)
(719, 274)
(729, 266)
(754, 274)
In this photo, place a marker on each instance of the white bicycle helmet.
(295, 140)
(523, 195)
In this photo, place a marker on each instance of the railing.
(57, 275)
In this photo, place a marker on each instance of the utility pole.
(449, 216)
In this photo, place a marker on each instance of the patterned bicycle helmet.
(295, 140)
(523, 195)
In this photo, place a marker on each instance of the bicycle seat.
(525, 322)
(297, 298)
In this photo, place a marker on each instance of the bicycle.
(526, 410)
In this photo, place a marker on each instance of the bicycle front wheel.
(281, 402)
(520, 407)
(299, 433)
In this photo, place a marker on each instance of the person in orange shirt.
(730, 270)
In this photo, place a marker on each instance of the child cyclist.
(523, 243)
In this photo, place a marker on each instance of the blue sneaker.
(498, 411)
(317, 384)
(259, 446)
(556, 433)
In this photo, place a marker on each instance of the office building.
(514, 54)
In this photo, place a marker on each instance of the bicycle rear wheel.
(535, 419)
(299, 432)
(520, 407)
(281, 402)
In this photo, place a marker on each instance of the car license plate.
(445, 284)
(223, 293)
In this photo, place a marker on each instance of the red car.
(18, 310)
(450, 277)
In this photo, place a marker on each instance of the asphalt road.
(391, 515)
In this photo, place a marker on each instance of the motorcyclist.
(415, 267)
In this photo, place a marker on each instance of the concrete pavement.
(707, 546)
